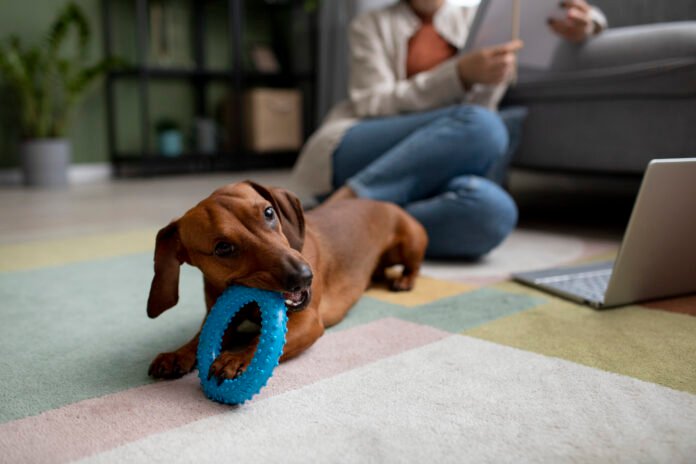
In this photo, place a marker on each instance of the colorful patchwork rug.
(469, 367)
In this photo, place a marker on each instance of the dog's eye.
(269, 213)
(223, 249)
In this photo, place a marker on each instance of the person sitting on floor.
(420, 128)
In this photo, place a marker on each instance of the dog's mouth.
(297, 301)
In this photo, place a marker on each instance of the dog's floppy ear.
(169, 255)
(289, 209)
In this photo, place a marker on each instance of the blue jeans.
(434, 164)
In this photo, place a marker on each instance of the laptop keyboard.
(591, 285)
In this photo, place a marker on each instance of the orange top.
(426, 49)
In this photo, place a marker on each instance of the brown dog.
(259, 237)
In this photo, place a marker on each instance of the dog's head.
(242, 234)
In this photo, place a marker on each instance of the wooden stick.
(515, 33)
(515, 19)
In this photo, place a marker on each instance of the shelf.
(293, 77)
(127, 155)
(171, 73)
(185, 73)
(139, 164)
(127, 165)
(142, 161)
(157, 157)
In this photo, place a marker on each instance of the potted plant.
(48, 81)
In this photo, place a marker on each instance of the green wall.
(30, 20)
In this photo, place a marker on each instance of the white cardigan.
(378, 85)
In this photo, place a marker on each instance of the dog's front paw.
(402, 284)
(172, 365)
(229, 365)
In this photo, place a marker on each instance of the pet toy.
(271, 340)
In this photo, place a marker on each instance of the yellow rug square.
(426, 291)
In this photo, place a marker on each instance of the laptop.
(657, 257)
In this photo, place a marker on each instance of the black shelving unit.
(145, 161)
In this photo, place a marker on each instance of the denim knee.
(480, 215)
(490, 130)
(497, 211)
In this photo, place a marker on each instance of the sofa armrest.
(629, 45)
(655, 59)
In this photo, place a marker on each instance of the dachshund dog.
(251, 235)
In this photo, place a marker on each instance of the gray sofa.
(610, 105)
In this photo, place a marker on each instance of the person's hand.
(491, 65)
(577, 24)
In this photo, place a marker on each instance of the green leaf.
(70, 17)
(48, 79)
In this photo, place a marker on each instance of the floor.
(562, 226)
(108, 206)
(467, 367)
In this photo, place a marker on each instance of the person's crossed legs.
(433, 164)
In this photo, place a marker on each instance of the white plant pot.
(45, 162)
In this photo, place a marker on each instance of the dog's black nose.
(300, 277)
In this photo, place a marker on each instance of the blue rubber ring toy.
(274, 326)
